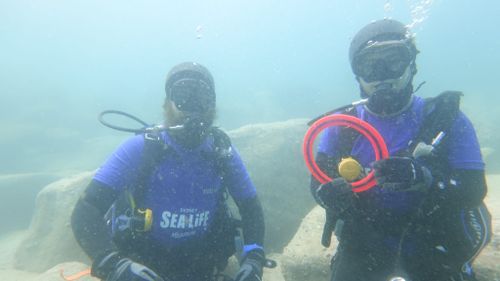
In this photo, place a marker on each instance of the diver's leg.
(433, 264)
(355, 263)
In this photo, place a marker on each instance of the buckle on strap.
(153, 133)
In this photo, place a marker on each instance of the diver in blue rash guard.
(425, 220)
(156, 209)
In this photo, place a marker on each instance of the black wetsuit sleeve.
(466, 189)
(252, 219)
(87, 220)
(327, 165)
(472, 187)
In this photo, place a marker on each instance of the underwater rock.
(18, 193)
(50, 240)
(487, 152)
(304, 258)
(272, 153)
(487, 132)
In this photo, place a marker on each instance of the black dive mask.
(196, 100)
(192, 95)
(384, 60)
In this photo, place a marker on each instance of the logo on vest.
(186, 219)
(209, 190)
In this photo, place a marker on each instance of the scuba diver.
(156, 209)
(425, 219)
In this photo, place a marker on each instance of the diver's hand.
(402, 174)
(251, 266)
(112, 267)
(336, 195)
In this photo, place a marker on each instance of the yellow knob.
(349, 169)
(148, 218)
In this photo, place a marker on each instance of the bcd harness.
(439, 114)
(128, 218)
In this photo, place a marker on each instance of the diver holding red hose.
(412, 212)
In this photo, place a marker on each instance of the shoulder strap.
(154, 151)
(222, 152)
(439, 114)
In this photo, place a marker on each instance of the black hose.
(339, 109)
(328, 113)
(137, 131)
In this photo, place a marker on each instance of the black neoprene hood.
(381, 30)
(189, 70)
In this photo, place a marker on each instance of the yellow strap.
(148, 218)
(131, 200)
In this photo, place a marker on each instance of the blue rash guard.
(463, 151)
(184, 189)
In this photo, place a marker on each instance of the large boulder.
(487, 132)
(18, 192)
(304, 258)
(50, 240)
(271, 153)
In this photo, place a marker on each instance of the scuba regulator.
(126, 218)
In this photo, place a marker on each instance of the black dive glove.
(402, 174)
(251, 266)
(336, 195)
(112, 267)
